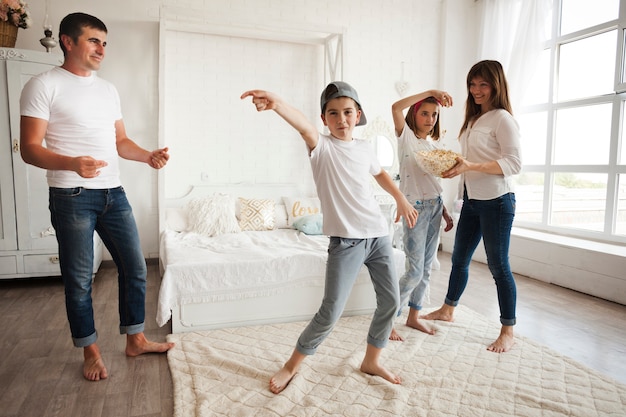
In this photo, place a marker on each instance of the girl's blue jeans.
(345, 259)
(492, 221)
(76, 213)
(420, 247)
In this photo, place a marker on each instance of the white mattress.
(200, 269)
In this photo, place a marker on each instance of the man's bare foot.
(377, 370)
(395, 336)
(93, 367)
(418, 324)
(281, 379)
(445, 313)
(137, 344)
(504, 342)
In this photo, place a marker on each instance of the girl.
(417, 131)
(490, 144)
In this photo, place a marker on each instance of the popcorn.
(436, 161)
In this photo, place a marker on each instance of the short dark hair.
(72, 25)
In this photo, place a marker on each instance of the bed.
(271, 270)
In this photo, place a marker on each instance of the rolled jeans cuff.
(132, 329)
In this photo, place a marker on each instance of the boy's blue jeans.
(420, 247)
(345, 259)
(75, 214)
(492, 220)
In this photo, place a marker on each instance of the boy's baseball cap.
(341, 89)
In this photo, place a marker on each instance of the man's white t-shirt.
(81, 114)
(343, 176)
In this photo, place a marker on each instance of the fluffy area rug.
(225, 372)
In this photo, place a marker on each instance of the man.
(79, 115)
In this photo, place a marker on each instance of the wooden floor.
(41, 372)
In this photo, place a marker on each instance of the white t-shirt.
(495, 136)
(81, 114)
(415, 183)
(343, 176)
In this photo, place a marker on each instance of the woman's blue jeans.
(490, 220)
(420, 247)
(76, 213)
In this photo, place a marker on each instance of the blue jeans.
(492, 220)
(345, 259)
(420, 247)
(76, 213)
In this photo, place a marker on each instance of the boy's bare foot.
(417, 324)
(445, 313)
(504, 342)
(377, 370)
(281, 379)
(93, 367)
(395, 336)
(137, 344)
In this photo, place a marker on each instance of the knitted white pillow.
(257, 214)
(213, 215)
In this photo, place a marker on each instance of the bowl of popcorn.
(436, 161)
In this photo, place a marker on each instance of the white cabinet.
(28, 247)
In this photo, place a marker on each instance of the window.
(573, 124)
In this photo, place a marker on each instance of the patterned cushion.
(301, 206)
(257, 214)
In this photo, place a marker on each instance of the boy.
(352, 218)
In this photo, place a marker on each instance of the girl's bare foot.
(93, 367)
(445, 313)
(137, 344)
(418, 324)
(395, 336)
(281, 379)
(377, 370)
(504, 342)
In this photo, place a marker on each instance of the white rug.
(226, 372)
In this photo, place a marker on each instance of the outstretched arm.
(264, 100)
(396, 108)
(403, 207)
(128, 149)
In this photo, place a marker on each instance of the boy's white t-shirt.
(415, 183)
(81, 114)
(343, 176)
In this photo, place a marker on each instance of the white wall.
(379, 36)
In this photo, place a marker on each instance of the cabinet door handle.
(16, 146)
(54, 259)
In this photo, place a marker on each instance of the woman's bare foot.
(445, 313)
(93, 367)
(395, 336)
(504, 342)
(281, 379)
(418, 324)
(137, 344)
(377, 370)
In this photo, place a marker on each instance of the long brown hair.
(410, 117)
(492, 72)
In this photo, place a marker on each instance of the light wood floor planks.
(41, 372)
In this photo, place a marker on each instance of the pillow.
(310, 225)
(176, 219)
(301, 206)
(257, 214)
(212, 216)
(280, 217)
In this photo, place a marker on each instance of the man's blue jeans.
(492, 220)
(75, 214)
(420, 247)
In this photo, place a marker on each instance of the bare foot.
(137, 344)
(395, 336)
(93, 367)
(419, 325)
(445, 313)
(504, 342)
(377, 370)
(281, 379)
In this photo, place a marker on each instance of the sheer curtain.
(513, 32)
